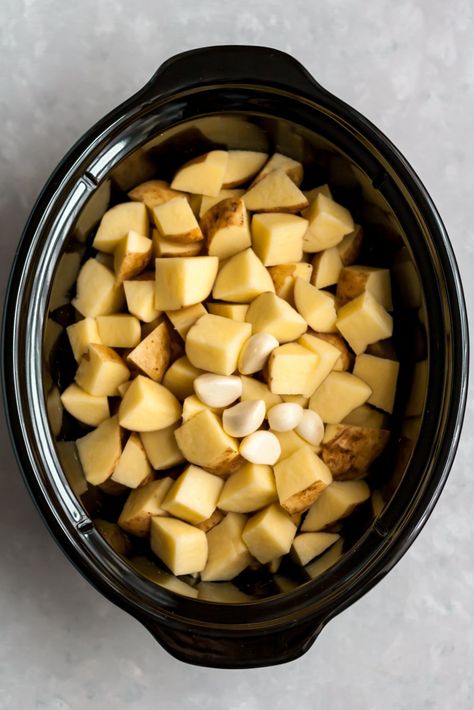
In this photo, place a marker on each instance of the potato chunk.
(119, 330)
(309, 545)
(354, 280)
(101, 371)
(228, 555)
(249, 489)
(349, 450)
(211, 522)
(270, 314)
(81, 335)
(363, 321)
(148, 406)
(292, 369)
(182, 547)
(365, 416)
(208, 202)
(133, 467)
(253, 389)
(311, 195)
(192, 405)
(203, 441)
(269, 533)
(381, 375)
(97, 292)
(179, 378)
(235, 311)
(277, 238)
(167, 247)
(161, 447)
(242, 278)
(329, 223)
(152, 355)
(176, 222)
(184, 318)
(193, 496)
(203, 175)
(140, 296)
(278, 161)
(318, 308)
(290, 442)
(242, 166)
(184, 281)
(350, 247)
(324, 562)
(284, 275)
(300, 479)
(336, 502)
(153, 193)
(100, 450)
(327, 266)
(142, 504)
(226, 229)
(84, 406)
(275, 193)
(118, 222)
(338, 395)
(328, 356)
(132, 255)
(346, 358)
(214, 343)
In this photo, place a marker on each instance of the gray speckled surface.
(409, 66)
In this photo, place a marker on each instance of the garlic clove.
(244, 418)
(285, 416)
(217, 390)
(255, 352)
(261, 447)
(311, 427)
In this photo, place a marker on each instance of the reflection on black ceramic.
(197, 101)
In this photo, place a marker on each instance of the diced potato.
(329, 222)
(338, 395)
(184, 318)
(228, 555)
(184, 281)
(203, 175)
(381, 375)
(142, 504)
(192, 405)
(222, 593)
(81, 335)
(175, 221)
(208, 202)
(336, 502)
(277, 238)
(148, 406)
(284, 275)
(363, 321)
(249, 489)
(182, 547)
(167, 247)
(346, 358)
(323, 563)
(84, 406)
(311, 195)
(292, 369)
(211, 522)
(161, 447)
(290, 442)
(226, 229)
(168, 581)
(242, 166)
(152, 355)
(291, 167)
(235, 311)
(132, 255)
(71, 466)
(203, 441)
(354, 280)
(193, 496)
(242, 278)
(350, 247)
(101, 371)
(317, 307)
(119, 330)
(153, 193)
(270, 314)
(275, 193)
(100, 450)
(327, 266)
(365, 416)
(214, 343)
(309, 545)
(328, 356)
(269, 533)
(140, 296)
(300, 479)
(97, 292)
(116, 538)
(349, 450)
(133, 468)
(253, 389)
(179, 378)
(118, 222)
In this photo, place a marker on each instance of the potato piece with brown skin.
(346, 360)
(202, 175)
(142, 504)
(175, 221)
(116, 538)
(226, 229)
(203, 441)
(278, 161)
(354, 280)
(349, 450)
(208, 202)
(284, 275)
(350, 247)
(152, 356)
(153, 193)
(217, 517)
(167, 247)
(132, 255)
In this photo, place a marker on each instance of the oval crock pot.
(255, 98)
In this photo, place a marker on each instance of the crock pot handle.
(239, 64)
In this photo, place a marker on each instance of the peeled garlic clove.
(311, 427)
(217, 390)
(255, 352)
(261, 447)
(285, 416)
(244, 418)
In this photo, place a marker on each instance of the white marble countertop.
(407, 65)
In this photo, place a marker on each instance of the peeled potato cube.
(336, 502)
(329, 222)
(100, 450)
(253, 389)
(349, 450)
(365, 416)
(350, 247)
(81, 335)
(269, 533)
(249, 489)
(153, 193)
(203, 175)
(228, 555)
(208, 202)
(309, 545)
(317, 307)
(184, 281)
(242, 166)
(284, 275)
(161, 447)
(118, 222)
(192, 405)
(235, 311)
(140, 297)
(327, 266)
(354, 280)
(182, 547)
(292, 369)
(327, 353)
(226, 229)
(193, 496)
(148, 406)
(133, 467)
(363, 321)
(338, 395)
(290, 442)
(175, 221)
(275, 193)
(346, 358)
(277, 238)
(142, 504)
(270, 314)
(179, 378)
(116, 538)
(381, 375)
(167, 247)
(203, 441)
(184, 318)
(214, 343)
(311, 195)
(101, 371)
(152, 355)
(242, 278)
(324, 562)
(97, 292)
(291, 167)
(84, 406)
(119, 330)
(132, 255)
(300, 479)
